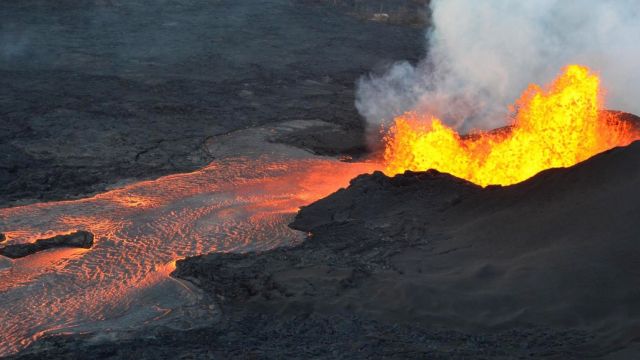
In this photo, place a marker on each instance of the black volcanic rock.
(324, 140)
(373, 199)
(78, 239)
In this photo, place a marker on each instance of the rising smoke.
(483, 54)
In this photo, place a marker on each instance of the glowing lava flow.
(237, 204)
(558, 127)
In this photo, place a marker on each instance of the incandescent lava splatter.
(556, 127)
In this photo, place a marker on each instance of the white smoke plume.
(483, 54)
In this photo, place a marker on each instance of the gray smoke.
(483, 54)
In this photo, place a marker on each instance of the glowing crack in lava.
(239, 204)
(556, 127)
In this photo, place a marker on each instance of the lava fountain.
(554, 127)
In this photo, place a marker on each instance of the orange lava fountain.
(556, 127)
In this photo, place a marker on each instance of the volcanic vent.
(554, 127)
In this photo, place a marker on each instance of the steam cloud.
(483, 54)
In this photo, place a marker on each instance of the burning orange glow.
(233, 204)
(556, 127)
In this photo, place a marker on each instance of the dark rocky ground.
(425, 265)
(99, 92)
(78, 239)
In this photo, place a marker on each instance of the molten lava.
(556, 127)
(233, 204)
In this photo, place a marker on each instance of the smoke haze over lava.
(555, 127)
(482, 54)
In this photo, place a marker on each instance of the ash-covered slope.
(559, 252)
(425, 265)
(561, 249)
